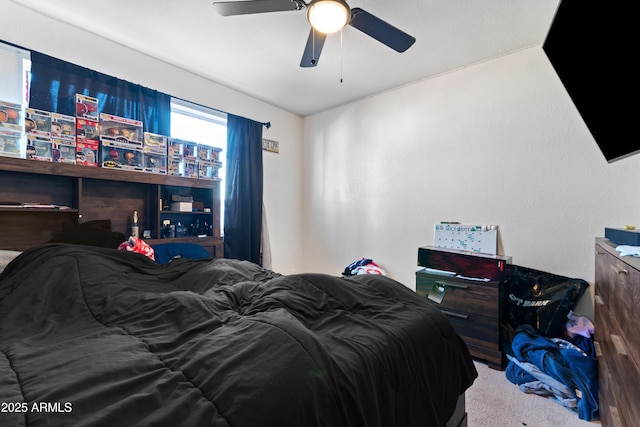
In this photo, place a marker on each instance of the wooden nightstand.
(469, 289)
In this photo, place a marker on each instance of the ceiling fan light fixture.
(328, 16)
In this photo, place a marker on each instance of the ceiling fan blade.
(230, 8)
(380, 30)
(313, 48)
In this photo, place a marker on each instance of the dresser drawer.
(476, 330)
(625, 376)
(462, 296)
(619, 278)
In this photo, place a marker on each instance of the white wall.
(496, 143)
(282, 183)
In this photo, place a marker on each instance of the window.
(195, 123)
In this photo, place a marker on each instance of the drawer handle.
(453, 285)
(596, 346)
(619, 345)
(452, 314)
(615, 416)
(619, 270)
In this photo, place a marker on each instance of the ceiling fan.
(325, 17)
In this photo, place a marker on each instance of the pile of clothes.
(363, 266)
(557, 368)
(134, 244)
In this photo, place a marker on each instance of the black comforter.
(93, 336)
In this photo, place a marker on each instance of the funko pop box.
(37, 122)
(155, 153)
(119, 154)
(10, 142)
(175, 166)
(121, 129)
(86, 107)
(63, 150)
(39, 147)
(10, 116)
(87, 152)
(63, 127)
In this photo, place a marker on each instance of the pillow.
(165, 252)
(6, 257)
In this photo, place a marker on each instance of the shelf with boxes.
(79, 194)
(468, 288)
(102, 140)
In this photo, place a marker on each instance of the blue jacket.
(560, 360)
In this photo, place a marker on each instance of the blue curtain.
(54, 84)
(243, 189)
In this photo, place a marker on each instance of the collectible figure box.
(10, 142)
(174, 149)
(121, 129)
(122, 143)
(87, 152)
(87, 129)
(189, 150)
(204, 152)
(37, 122)
(154, 143)
(155, 153)
(87, 143)
(190, 168)
(208, 153)
(10, 116)
(86, 107)
(215, 153)
(63, 127)
(121, 155)
(175, 166)
(208, 169)
(204, 169)
(63, 150)
(155, 163)
(39, 148)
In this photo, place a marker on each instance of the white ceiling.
(260, 54)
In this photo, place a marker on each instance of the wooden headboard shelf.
(90, 193)
(10, 164)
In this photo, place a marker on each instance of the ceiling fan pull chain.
(341, 56)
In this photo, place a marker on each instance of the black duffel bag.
(540, 299)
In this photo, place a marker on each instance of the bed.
(94, 336)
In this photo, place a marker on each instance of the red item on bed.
(135, 244)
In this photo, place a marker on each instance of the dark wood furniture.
(472, 296)
(617, 321)
(90, 193)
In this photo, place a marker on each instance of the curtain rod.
(265, 124)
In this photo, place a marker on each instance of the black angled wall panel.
(591, 47)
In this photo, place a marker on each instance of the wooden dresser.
(617, 335)
(470, 291)
(92, 193)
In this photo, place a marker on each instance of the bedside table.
(469, 289)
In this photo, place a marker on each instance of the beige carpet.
(493, 401)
